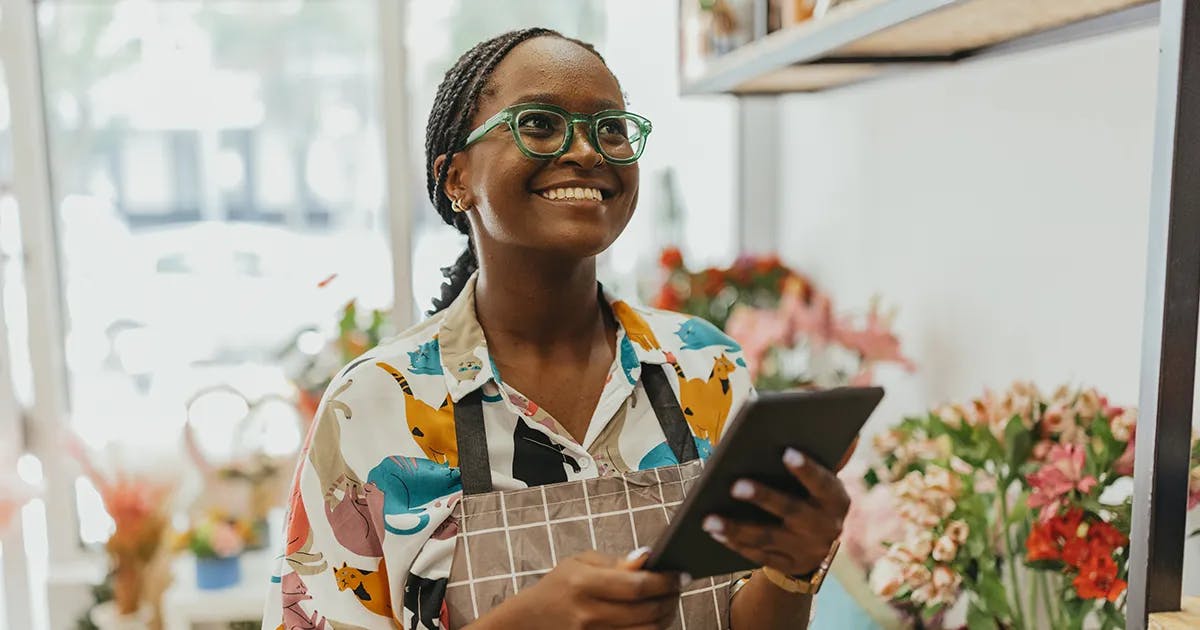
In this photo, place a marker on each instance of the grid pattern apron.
(508, 540)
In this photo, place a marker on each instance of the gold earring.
(457, 206)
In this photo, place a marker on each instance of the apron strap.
(475, 466)
(670, 416)
(473, 462)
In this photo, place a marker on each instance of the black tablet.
(821, 424)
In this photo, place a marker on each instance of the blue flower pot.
(217, 573)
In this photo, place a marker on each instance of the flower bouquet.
(138, 503)
(1015, 506)
(217, 541)
(790, 335)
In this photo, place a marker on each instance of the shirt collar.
(467, 366)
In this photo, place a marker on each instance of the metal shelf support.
(1170, 324)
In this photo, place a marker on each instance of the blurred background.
(222, 201)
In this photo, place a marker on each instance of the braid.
(455, 104)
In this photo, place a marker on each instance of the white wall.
(1001, 204)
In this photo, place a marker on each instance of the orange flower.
(1041, 544)
(671, 258)
(1098, 579)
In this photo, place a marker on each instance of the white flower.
(1124, 424)
(958, 531)
(945, 549)
(886, 579)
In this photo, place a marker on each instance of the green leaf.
(1111, 615)
(1018, 444)
(871, 478)
(979, 619)
(928, 613)
(992, 592)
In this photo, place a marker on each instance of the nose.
(581, 152)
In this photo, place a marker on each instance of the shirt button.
(585, 463)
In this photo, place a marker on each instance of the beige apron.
(508, 540)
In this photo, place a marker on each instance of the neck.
(538, 300)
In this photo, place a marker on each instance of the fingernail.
(684, 580)
(793, 458)
(742, 489)
(637, 553)
(713, 525)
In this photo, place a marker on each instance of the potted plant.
(217, 543)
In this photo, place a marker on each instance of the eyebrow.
(600, 104)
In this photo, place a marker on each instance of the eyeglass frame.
(510, 115)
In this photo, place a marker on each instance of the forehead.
(551, 70)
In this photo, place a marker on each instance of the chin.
(582, 243)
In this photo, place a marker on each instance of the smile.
(589, 194)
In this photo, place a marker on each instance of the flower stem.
(1019, 620)
(1051, 615)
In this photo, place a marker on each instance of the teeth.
(593, 194)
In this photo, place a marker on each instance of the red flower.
(1077, 551)
(1041, 544)
(714, 281)
(671, 258)
(1066, 526)
(667, 299)
(1098, 579)
(1110, 537)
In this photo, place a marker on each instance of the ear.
(455, 185)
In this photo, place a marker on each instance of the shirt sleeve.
(366, 502)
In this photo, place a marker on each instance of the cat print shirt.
(369, 539)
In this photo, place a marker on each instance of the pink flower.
(1194, 488)
(1124, 463)
(225, 540)
(1062, 473)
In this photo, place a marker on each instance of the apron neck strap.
(475, 466)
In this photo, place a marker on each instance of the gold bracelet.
(805, 585)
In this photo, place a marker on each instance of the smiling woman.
(529, 375)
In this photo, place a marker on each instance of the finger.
(822, 484)
(768, 539)
(621, 585)
(780, 504)
(798, 515)
(635, 559)
(597, 559)
(644, 614)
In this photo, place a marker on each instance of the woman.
(518, 161)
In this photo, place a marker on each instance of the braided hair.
(454, 106)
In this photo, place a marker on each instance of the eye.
(613, 127)
(539, 124)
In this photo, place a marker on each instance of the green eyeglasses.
(546, 131)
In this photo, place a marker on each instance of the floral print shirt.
(369, 536)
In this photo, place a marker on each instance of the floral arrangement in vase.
(1018, 503)
(139, 548)
(217, 541)
(791, 336)
(246, 486)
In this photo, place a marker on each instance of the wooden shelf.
(865, 39)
